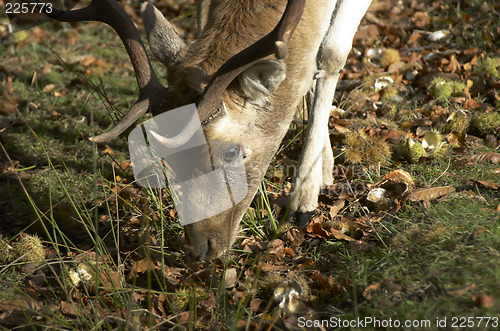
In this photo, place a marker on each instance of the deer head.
(237, 73)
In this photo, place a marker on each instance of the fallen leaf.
(399, 176)
(427, 194)
(277, 249)
(340, 128)
(209, 303)
(255, 305)
(336, 207)
(315, 229)
(482, 157)
(289, 251)
(49, 87)
(88, 60)
(482, 300)
(230, 278)
(487, 184)
(293, 237)
(108, 150)
(68, 309)
(480, 231)
(454, 65)
(367, 293)
(143, 265)
(470, 104)
(459, 292)
(340, 236)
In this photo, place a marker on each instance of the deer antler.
(274, 42)
(151, 91)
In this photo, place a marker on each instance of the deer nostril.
(212, 251)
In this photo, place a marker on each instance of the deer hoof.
(302, 218)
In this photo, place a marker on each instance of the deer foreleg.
(316, 162)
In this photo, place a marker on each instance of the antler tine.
(274, 42)
(151, 91)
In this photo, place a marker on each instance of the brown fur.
(257, 126)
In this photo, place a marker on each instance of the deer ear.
(164, 41)
(262, 79)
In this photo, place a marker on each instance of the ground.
(408, 232)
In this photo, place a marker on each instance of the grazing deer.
(247, 75)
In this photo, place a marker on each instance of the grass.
(424, 262)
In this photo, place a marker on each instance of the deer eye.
(231, 154)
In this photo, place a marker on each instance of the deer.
(252, 63)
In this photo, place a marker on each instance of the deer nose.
(204, 250)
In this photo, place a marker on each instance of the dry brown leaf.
(208, 304)
(421, 19)
(482, 300)
(277, 249)
(315, 229)
(230, 278)
(340, 128)
(336, 207)
(399, 176)
(367, 293)
(340, 236)
(323, 282)
(108, 150)
(293, 237)
(255, 305)
(68, 309)
(143, 265)
(454, 65)
(88, 60)
(470, 104)
(459, 292)
(49, 87)
(111, 279)
(482, 157)
(274, 267)
(487, 184)
(427, 194)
